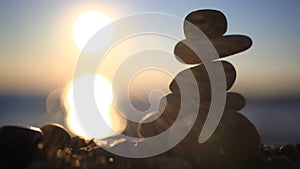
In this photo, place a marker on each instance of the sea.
(276, 119)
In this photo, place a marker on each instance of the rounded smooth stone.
(186, 50)
(200, 74)
(289, 151)
(171, 105)
(212, 23)
(234, 101)
(55, 138)
(298, 148)
(275, 148)
(4, 159)
(55, 135)
(77, 143)
(20, 144)
(234, 144)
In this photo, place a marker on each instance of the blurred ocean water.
(277, 119)
(24, 110)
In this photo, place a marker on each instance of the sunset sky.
(38, 53)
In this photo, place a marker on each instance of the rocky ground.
(28, 148)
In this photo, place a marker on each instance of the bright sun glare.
(87, 25)
(103, 98)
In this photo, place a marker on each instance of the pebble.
(234, 101)
(212, 23)
(297, 146)
(4, 159)
(225, 46)
(275, 148)
(289, 151)
(280, 162)
(55, 135)
(201, 76)
(171, 106)
(55, 138)
(78, 142)
(234, 144)
(231, 44)
(19, 144)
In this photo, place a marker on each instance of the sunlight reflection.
(103, 96)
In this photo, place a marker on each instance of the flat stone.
(201, 76)
(211, 22)
(186, 50)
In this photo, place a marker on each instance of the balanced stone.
(234, 101)
(234, 144)
(190, 51)
(211, 22)
(200, 75)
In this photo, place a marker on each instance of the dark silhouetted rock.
(298, 147)
(234, 101)
(289, 151)
(19, 144)
(280, 162)
(55, 135)
(78, 142)
(234, 144)
(201, 76)
(227, 45)
(211, 22)
(4, 159)
(275, 148)
(55, 138)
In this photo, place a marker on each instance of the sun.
(86, 25)
(103, 97)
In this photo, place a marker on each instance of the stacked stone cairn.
(235, 144)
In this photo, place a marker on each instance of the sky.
(38, 53)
